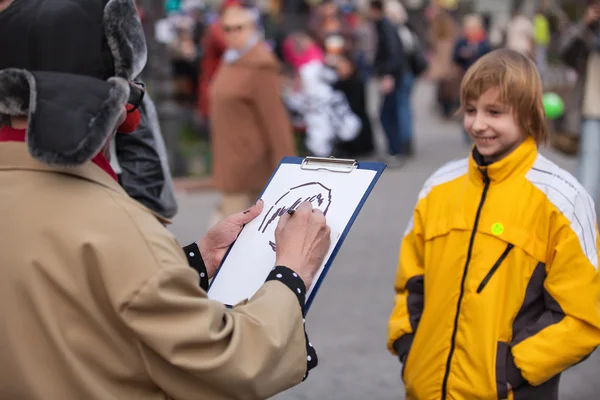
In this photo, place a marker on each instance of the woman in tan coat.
(442, 70)
(251, 128)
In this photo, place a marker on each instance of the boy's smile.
(492, 126)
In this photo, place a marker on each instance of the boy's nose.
(479, 124)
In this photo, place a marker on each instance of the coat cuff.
(513, 373)
(402, 346)
(293, 281)
(192, 252)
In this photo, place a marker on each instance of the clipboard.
(339, 187)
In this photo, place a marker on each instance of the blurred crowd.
(270, 79)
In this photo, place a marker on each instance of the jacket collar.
(8, 134)
(14, 156)
(515, 164)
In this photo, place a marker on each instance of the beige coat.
(441, 67)
(97, 301)
(250, 127)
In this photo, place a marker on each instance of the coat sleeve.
(409, 288)
(192, 345)
(568, 330)
(194, 258)
(272, 115)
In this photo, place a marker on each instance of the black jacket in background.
(389, 56)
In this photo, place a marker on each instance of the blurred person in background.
(470, 47)
(340, 41)
(326, 112)
(250, 127)
(213, 45)
(365, 42)
(184, 56)
(389, 70)
(324, 17)
(295, 14)
(442, 70)
(580, 49)
(542, 36)
(397, 15)
(196, 10)
(520, 33)
(472, 44)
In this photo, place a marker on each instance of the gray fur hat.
(67, 65)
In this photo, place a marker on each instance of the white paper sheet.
(253, 256)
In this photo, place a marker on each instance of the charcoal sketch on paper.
(313, 192)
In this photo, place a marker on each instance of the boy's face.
(492, 126)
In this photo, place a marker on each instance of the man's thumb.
(252, 212)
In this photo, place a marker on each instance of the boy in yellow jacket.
(497, 287)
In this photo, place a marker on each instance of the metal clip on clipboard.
(330, 164)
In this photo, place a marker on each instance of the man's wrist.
(195, 260)
(292, 280)
(205, 253)
(292, 265)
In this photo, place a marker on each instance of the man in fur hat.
(97, 299)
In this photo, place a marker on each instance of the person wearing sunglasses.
(250, 127)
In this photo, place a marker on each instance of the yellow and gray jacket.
(497, 281)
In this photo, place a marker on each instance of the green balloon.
(554, 107)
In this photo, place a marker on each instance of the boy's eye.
(470, 110)
(495, 112)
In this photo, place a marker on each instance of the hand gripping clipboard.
(338, 187)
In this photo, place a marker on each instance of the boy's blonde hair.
(520, 86)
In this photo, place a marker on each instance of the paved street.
(347, 322)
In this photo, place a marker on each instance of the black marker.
(291, 212)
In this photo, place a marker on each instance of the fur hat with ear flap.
(68, 66)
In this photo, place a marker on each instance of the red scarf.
(9, 134)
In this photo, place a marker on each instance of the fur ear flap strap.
(70, 117)
(125, 37)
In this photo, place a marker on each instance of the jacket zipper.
(489, 275)
(486, 186)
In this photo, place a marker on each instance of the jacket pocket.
(501, 381)
(497, 264)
